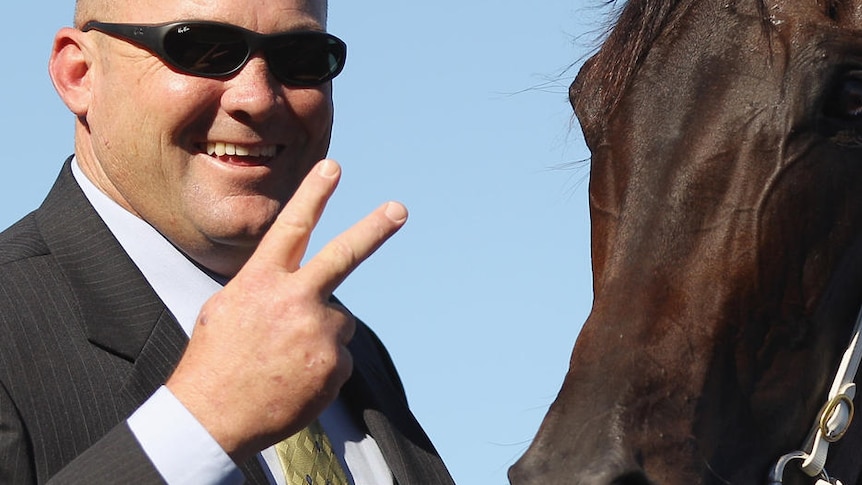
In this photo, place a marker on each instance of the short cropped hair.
(86, 10)
(104, 10)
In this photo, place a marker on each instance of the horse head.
(726, 209)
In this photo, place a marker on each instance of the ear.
(69, 68)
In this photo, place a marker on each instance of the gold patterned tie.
(307, 458)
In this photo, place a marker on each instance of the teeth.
(220, 149)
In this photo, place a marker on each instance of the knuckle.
(290, 221)
(346, 364)
(349, 329)
(345, 254)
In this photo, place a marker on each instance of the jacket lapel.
(121, 312)
(375, 393)
(118, 308)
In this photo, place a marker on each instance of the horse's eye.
(846, 101)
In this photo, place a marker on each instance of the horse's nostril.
(631, 478)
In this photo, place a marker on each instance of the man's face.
(149, 131)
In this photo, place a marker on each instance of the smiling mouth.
(220, 149)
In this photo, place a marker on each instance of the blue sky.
(458, 109)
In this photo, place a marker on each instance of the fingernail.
(396, 212)
(327, 168)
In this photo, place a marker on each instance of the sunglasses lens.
(306, 58)
(213, 50)
(209, 50)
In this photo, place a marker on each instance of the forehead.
(259, 15)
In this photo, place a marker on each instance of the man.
(199, 130)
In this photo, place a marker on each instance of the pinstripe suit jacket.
(84, 341)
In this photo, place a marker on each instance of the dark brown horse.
(726, 207)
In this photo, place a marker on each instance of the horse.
(725, 195)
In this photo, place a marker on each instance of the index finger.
(285, 242)
(343, 254)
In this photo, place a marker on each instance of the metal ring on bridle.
(827, 412)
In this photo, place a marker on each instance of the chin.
(244, 237)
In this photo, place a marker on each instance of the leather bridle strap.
(833, 420)
(836, 415)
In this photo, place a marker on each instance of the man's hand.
(269, 353)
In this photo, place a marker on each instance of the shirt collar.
(182, 285)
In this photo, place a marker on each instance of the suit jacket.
(84, 341)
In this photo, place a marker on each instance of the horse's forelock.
(638, 24)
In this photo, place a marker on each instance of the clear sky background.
(458, 109)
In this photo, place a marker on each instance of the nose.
(253, 93)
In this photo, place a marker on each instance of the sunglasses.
(216, 50)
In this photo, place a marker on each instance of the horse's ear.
(587, 100)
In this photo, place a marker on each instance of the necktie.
(307, 458)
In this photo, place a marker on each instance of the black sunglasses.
(214, 50)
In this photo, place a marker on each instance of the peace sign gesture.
(269, 351)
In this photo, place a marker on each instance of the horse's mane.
(638, 24)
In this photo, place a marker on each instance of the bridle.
(832, 421)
